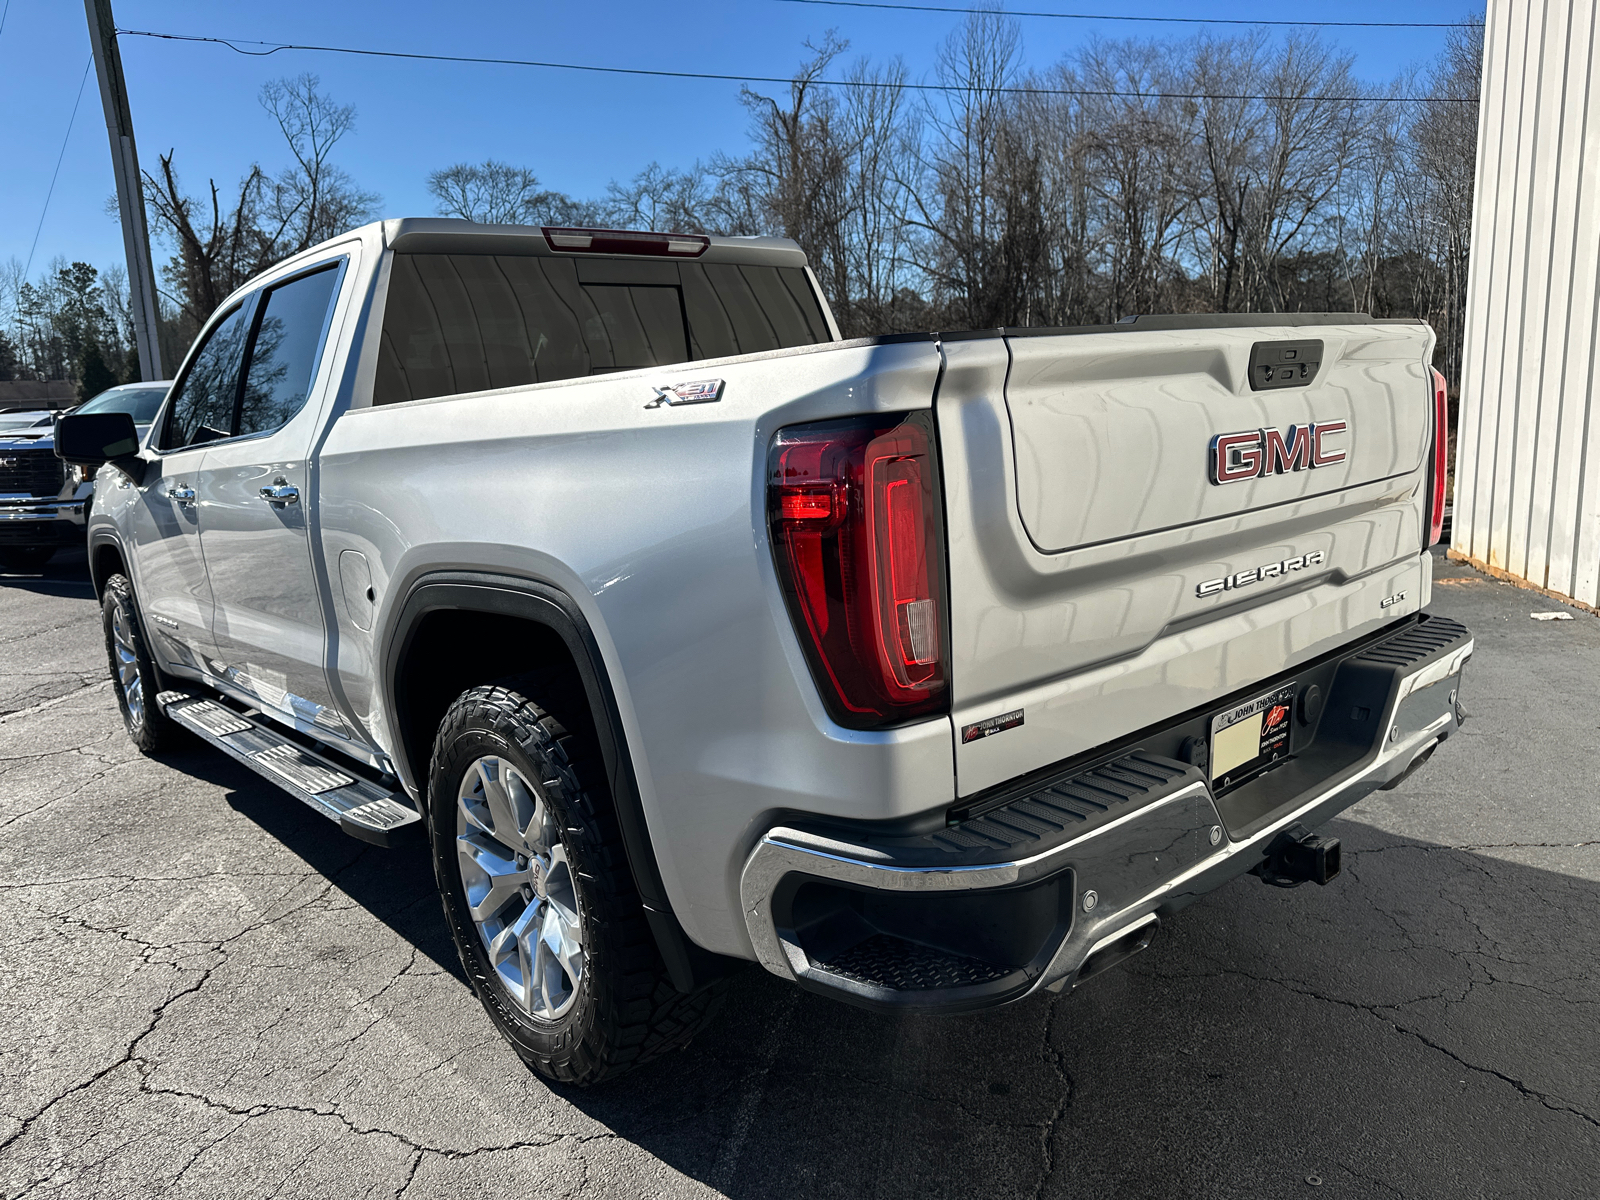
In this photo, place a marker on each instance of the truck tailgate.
(1104, 579)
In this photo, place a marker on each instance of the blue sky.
(576, 131)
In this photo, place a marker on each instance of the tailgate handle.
(1276, 365)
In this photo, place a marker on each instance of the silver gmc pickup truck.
(927, 671)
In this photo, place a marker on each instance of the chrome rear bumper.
(1081, 894)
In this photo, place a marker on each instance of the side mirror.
(89, 439)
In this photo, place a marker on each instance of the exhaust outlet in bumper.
(1119, 947)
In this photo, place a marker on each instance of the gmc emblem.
(1255, 453)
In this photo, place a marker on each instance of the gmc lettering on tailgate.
(1254, 453)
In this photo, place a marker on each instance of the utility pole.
(130, 190)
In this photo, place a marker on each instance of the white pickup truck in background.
(44, 503)
(927, 671)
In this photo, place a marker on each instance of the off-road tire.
(25, 558)
(151, 730)
(626, 1010)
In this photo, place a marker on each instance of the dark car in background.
(44, 502)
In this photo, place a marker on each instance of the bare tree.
(956, 203)
(1141, 139)
(13, 364)
(490, 192)
(793, 181)
(661, 199)
(829, 171)
(1224, 72)
(118, 302)
(496, 193)
(1225, 174)
(1311, 128)
(217, 248)
(1268, 172)
(1369, 200)
(1445, 137)
(876, 137)
(558, 208)
(1068, 290)
(314, 199)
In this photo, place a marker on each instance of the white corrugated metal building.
(1527, 484)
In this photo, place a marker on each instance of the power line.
(234, 44)
(70, 122)
(4, 15)
(1078, 16)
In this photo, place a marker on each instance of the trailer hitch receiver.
(1296, 856)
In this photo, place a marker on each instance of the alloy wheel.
(127, 667)
(520, 888)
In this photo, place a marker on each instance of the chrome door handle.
(281, 493)
(183, 494)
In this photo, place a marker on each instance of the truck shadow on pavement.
(394, 885)
(67, 574)
(1424, 1025)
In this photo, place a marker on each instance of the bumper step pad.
(1068, 806)
(889, 962)
(1045, 814)
(361, 807)
(1416, 644)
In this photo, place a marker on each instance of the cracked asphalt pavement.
(209, 991)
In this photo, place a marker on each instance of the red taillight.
(626, 241)
(1441, 458)
(856, 534)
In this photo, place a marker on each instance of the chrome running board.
(359, 806)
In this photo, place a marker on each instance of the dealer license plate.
(1248, 737)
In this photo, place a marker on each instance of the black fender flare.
(544, 604)
(104, 537)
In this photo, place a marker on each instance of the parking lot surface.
(206, 990)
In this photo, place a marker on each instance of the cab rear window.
(458, 323)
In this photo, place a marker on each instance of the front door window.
(202, 409)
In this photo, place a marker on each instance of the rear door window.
(284, 353)
(458, 323)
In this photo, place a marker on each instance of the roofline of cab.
(449, 235)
